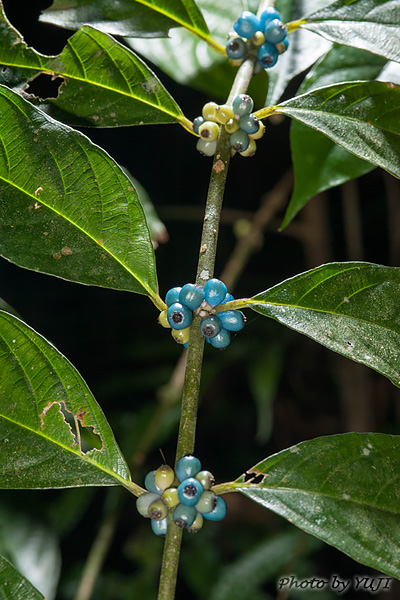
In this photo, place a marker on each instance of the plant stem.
(205, 271)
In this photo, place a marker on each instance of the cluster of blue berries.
(243, 126)
(215, 327)
(268, 34)
(191, 499)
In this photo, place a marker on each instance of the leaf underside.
(351, 308)
(14, 585)
(343, 489)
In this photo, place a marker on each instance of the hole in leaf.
(45, 86)
(253, 477)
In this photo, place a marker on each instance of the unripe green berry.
(258, 38)
(223, 113)
(197, 524)
(158, 510)
(144, 501)
(206, 479)
(170, 497)
(209, 111)
(184, 516)
(165, 475)
(181, 336)
(162, 319)
(209, 131)
(206, 148)
(207, 502)
(232, 125)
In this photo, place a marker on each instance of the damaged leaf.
(43, 403)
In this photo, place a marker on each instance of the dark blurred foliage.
(115, 342)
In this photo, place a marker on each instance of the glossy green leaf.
(343, 489)
(372, 25)
(318, 163)
(92, 65)
(32, 547)
(14, 586)
(362, 117)
(351, 308)
(44, 405)
(66, 208)
(136, 18)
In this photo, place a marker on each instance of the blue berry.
(179, 316)
(267, 55)
(268, 15)
(275, 31)
(215, 290)
(239, 141)
(247, 24)
(210, 326)
(150, 483)
(160, 527)
(221, 340)
(249, 123)
(184, 516)
(236, 48)
(228, 298)
(187, 466)
(242, 105)
(219, 512)
(196, 124)
(172, 296)
(191, 296)
(232, 320)
(144, 501)
(190, 491)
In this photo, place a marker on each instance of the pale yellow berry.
(258, 134)
(181, 336)
(251, 149)
(162, 319)
(224, 113)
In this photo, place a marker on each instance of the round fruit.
(158, 510)
(267, 15)
(275, 31)
(162, 319)
(197, 524)
(242, 105)
(224, 113)
(172, 296)
(181, 336)
(239, 141)
(251, 148)
(258, 38)
(209, 131)
(187, 466)
(249, 123)
(189, 491)
(208, 111)
(206, 479)
(221, 340)
(258, 134)
(232, 320)
(215, 290)
(231, 126)
(219, 512)
(207, 502)
(206, 148)
(150, 483)
(236, 48)
(164, 477)
(267, 55)
(283, 45)
(228, 298)
(247, 24)
(191, 296)
(184, 516)
(144, 501)
(210, 326)
(170, 497)
(160, 527)
(196, 124)
(179, 316)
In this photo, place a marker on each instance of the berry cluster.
(215, 327)
(243, 126)
(192, 500)
(267, 33)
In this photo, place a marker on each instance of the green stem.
(205, 271)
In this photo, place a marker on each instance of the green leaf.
(372, 25)
(14, 585)
(133, 18)
(343, 489)
(65, 204)
(92, 63)
(362, 117)
(44, 405)
(32, 547)
(351, 308)
(319, 164)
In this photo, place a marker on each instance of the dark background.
(126, 358)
